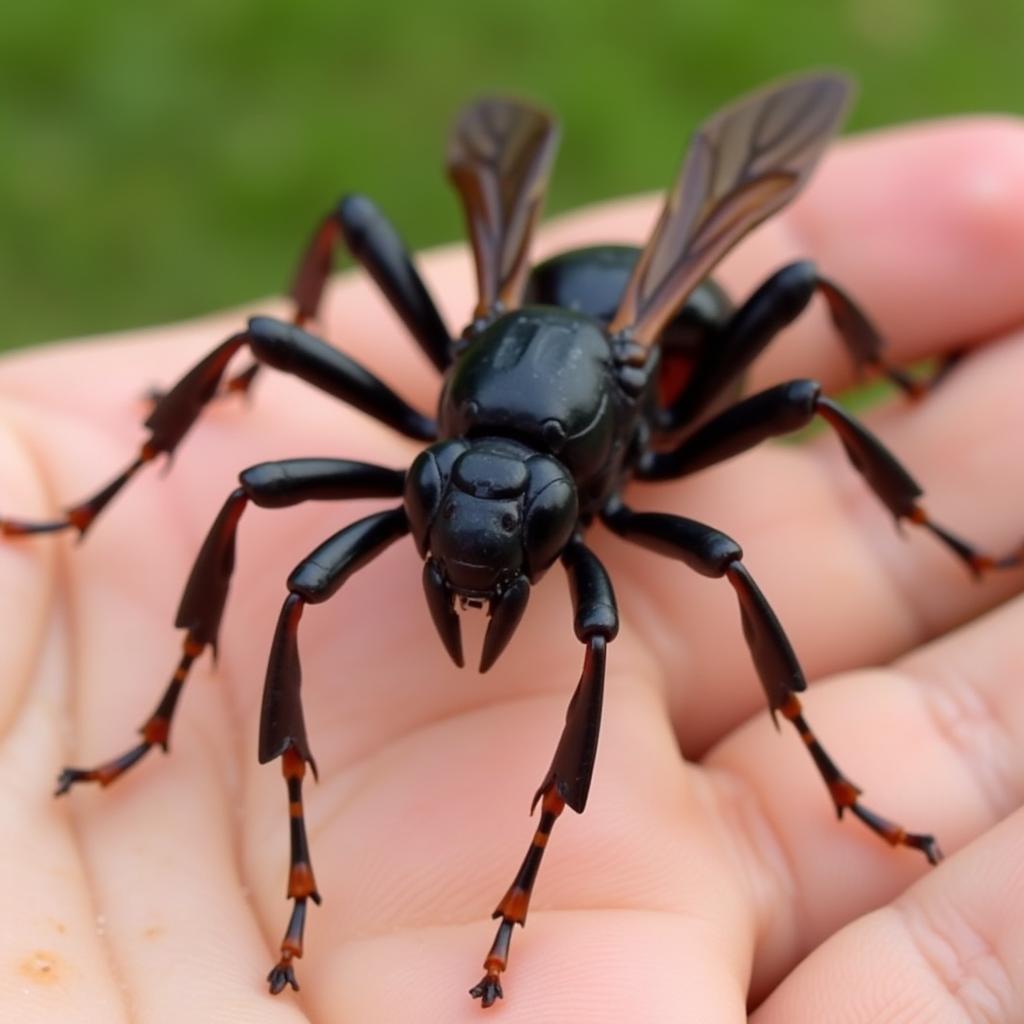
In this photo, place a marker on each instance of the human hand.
(689, 883)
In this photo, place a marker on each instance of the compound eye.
(550, 519)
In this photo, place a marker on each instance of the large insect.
(596, 367)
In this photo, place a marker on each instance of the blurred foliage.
(161, 161)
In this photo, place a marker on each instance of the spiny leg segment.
(516, 901)
(301, 883)
(713, 554)
(845, 794)
(568, 779)
(80, 517)
(759, 625)
(155, 730)
(282, 725)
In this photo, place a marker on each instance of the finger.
(151, 862)
(849, 590)
(28, 573)
(951, 949)
(56, 970)
(935, 743)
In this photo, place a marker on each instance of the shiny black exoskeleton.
(600, 366)
(545, 416)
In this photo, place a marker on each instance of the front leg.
(713, 554)
(282, 724)
(568, 779)
(267, 485)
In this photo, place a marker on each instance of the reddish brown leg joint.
(865, 343)
(516, 901)
(916, 388)
(899, 491)
(913, 387)
(845, 794)
(155, 731)
(242, 381)
(81, 516)
(301, 884)
(978, 562)
(315, 268)
(307, 291)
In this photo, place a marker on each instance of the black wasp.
(596, 367)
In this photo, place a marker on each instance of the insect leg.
(775, 305)
(282, 726)
(713, 554)
(568, 779)
(372, 240)
(267, 485)
(788, 407)
(275, 343)
(865, 344)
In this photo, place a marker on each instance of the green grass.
(158, 166)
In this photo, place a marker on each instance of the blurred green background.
(159, 164)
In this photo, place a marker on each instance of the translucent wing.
(499, 158)
(743, 164)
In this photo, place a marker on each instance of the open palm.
(709, 863)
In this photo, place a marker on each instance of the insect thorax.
(547, 377)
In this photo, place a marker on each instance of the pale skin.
(691, 888)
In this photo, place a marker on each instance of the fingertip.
(967, 172)
(975, 190)
(983, 179)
